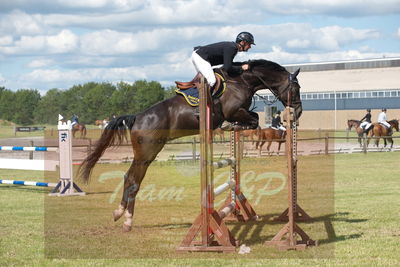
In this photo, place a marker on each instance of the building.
(334, 92)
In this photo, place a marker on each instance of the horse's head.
(279, 81)
(349, 125)
(353, 123)
(395, 124)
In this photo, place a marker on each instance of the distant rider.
(74, 120)
(366, 121)
(277, 123)
(382, 119)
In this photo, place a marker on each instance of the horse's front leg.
(245, 119)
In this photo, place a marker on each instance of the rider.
(277, 123)
(383, 120)
(366, 121)
(74, 120)
(204, 57)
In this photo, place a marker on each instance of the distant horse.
(79, 127)
(379, 130)
(219, 132)
(356, 125)
(101, 123)
(251, 134)
(269, 135)
(174, 118)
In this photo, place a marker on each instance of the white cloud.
(340, 8)
(20, 23)
(63, 42)
(39, 63)
(56, 43)
(6, 40)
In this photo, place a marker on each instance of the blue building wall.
(341, 104)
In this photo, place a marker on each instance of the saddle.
(220, 81)
(189, 90)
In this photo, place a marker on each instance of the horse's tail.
(113, 135)
(370, 129)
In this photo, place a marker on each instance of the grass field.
(352, 198)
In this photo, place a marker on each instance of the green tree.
(148, 93)
(169, 92)
(7, 104)
(25, 103)
(97, 104)
(49, 107)
(123, 99)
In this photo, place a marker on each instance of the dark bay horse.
(378, 130)
(356, 125)
(269, 135)
(174, 118)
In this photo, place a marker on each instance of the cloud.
(339, 8)
(54, 43)
(63, 42)
(39, 63)
(20, 23)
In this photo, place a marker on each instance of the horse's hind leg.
(144, 155)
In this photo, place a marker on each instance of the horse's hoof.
(117, 214)
(126, 228)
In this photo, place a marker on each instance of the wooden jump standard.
(209, 226)
(286, 238)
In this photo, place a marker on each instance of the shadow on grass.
(242, 230)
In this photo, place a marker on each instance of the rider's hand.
(245, 66)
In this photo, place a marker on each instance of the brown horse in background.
(356, 125)
(220, 133)
(269, 135)
(250, 133)
(378, 130)
(79, 127)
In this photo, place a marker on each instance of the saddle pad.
(192, 94)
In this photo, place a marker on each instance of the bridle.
(288, 89)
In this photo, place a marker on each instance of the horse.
(174, 117)
(378, 130)
(101, 123)
(269, 135)
(220, 133)
(250, 133)
(79, 127)
(359, 130)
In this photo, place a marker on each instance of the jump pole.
(286, 238)
(209, 225)
(66, 185)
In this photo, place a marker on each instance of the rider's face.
(244, 46)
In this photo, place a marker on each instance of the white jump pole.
(66, 185)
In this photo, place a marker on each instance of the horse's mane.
(269, 65)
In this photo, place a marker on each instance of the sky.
(47, 44)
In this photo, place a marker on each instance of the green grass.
(352, 198)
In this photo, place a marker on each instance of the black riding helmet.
(369, 110)
(245, 36)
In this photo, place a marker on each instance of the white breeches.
(204, 67)
(365, 125)
(385, 123)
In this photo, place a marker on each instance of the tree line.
(90, 101)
